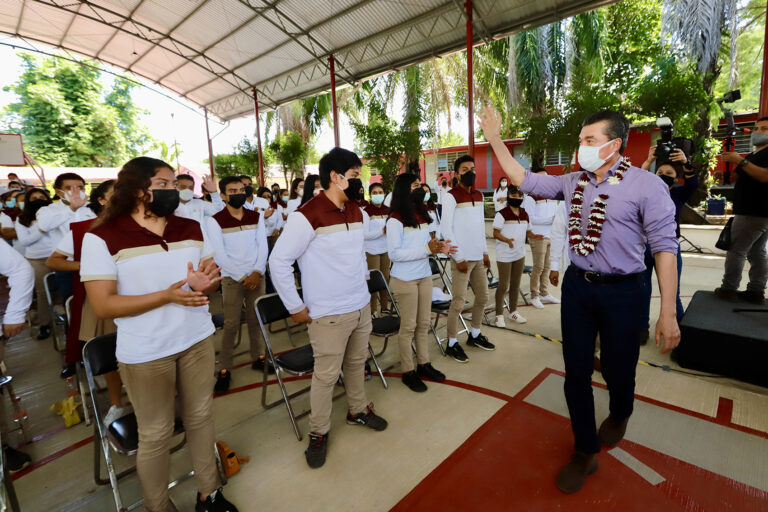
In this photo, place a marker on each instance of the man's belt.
(599, 278)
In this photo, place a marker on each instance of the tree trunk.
(703, 130)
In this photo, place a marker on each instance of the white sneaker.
(548, 299)
(536, 302)
(115, 413)
(499, 321)
(517, 317)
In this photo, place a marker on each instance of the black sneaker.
(368, 419)
(315, 452)
(752, 297)
(413, 382)
(16, 460)
(44, 333)
(222, 382)
(427, 371)
(457, 353)
(260, 363)
(480, 342)
(215, 502)
(68, 370)
(730, 295)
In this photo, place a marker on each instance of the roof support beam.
(112, 37)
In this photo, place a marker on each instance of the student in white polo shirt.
(509, 229)
(463, 222)
(138, 265)
(191, 207)
(410, 244)
(376, 242)
(238, 237)
(294, 198)
(542, 214)
(326, 237)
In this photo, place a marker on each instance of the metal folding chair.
(122, 435)
(441, 308)
(49, 283)
(79, 367)
(8, 499)
(385, 326)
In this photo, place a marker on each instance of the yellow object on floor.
(67, 409)
(229, 459)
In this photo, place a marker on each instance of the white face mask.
(300, 192)
(589, 158)
(186, 194)
(503, 184)
(67, 197)
(317, 191)
(426, 196)
(377, 198)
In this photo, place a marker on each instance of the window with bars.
(561, 158)
(445, 160)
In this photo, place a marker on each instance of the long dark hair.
(294, 186)
(309, 187)
(430, 203)
(498, 188)
(135, 177)
(403, 203)
(97, 193)
(29, 212)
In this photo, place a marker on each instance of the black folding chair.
(122, 435)
(385, 326)
(8, 499)
(51, 293)
(78, 373)
(440, 308)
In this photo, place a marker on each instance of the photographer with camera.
(670, 169)
(749, 231)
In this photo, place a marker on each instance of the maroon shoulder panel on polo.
(125, 233)
(508, 214)
(419, 218)
(462, 196)
(373, 210)
(225, 219)
(321, 212)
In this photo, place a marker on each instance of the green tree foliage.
(290, 151)
(67, 119)
(244, 159)
(382, 142)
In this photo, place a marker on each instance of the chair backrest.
(100, 355)
(271, 309)
(434, 266)
(376, 283)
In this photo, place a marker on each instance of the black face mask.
(445, 183)
(514, 202)
(668, 180)
(164, 201)
(468, 178)
(35, 205)
(248, 191)
(418, 195)
(236, 200)
(353, 190)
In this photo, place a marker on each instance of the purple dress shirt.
(639, 208)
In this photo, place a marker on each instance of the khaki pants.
(339, 342)
(152, 388)
(233, 294)
(509, 279)
(540, 272)
(379, 262)
(414, 301)
(476, 276)
(43, 308)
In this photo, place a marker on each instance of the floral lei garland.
(585, 245)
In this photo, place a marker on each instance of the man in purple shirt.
(614, 208)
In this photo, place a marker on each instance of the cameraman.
(670, 170)
(749, 232)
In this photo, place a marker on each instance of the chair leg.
(433, 328)
(83, 391)
(19, 414)
(288, 405)
(378, 368)
(220, 466)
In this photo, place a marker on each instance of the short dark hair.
(223, 182)
(513, 190)
(338, 159)
(245, 177)
(616, 125)
(764, 118)
(185, 177)
(66, 176)
(538, 169)
(461, 160)
(374, 185)
(261, 190)
(275, 185)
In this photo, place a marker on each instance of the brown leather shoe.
(612, 430)
(572, 477)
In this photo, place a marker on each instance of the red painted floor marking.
(724, 411)
(52, 457)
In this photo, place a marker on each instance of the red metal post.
(470, 81)
(764, 86)
(210, 145)
(332, 62)
(258, 135)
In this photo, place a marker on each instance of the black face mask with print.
(164, 201)
(514, 202)
(236, 200)
(468, 178)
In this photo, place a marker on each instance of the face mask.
(236, 200)
(514, 202)
(427, 195)
(758, 138)
(186, 194)
(418, 195)
(248, 191)
(377, 199)
(589, 158)
(11, 203)
(300, 192)
(503, 184)
(285, 199)
(35, 205)
(164, 201)
(445, 184)
(468, 178)
(668, 180)
(353, 190)
(21, 205)
(316, 191)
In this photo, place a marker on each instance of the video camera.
(729, 142)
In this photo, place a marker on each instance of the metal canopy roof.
(213, 52)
